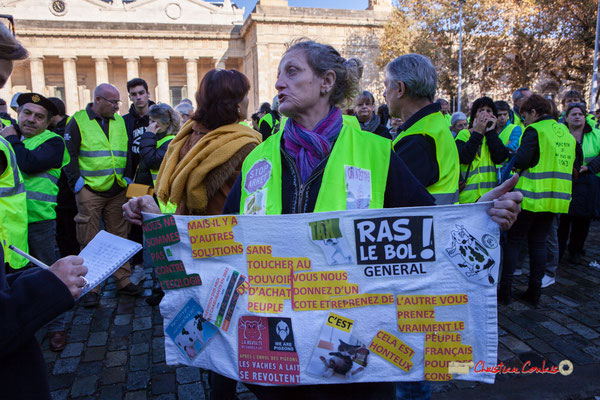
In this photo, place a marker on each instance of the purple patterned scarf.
(309, 148)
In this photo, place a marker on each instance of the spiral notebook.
(105, 254)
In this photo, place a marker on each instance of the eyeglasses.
(11, 22)
(113, 102)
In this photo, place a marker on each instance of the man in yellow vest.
(424, 141)
(40, 155)
(99, 173)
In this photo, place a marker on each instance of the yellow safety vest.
(102, 160)
(42, 188)
(506, 132)
(13, 203)
(168, 208)
(445, 190)
(353, 156)
(480, 175)
(591, 146)
(547, 186)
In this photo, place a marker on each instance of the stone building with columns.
(75, 45)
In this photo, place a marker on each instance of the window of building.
(178, 93)
(59, 91)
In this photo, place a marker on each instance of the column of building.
(162, 79)
(70, 77)
(38, 83)
(191, 74)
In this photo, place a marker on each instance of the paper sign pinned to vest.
(373, 309)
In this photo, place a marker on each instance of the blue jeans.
(42, 245)
(413, 390)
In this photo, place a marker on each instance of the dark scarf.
(372, 124)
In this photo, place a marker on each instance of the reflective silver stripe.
(102, 172)
(13, 162)
(547, 175)
(483, 170)
(102, 153)
(12, 191)
(41, 197)
(445, 198)
(480, 185)
(154, 176)
(545, 195)
(46, 175)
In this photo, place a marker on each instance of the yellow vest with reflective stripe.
(481, 175)
(42, 188)
(445, 190)
(547, 186)
(506, 132)
(13, 206)
(591, 146)
(353, 148)
(169, 208)
(517, 121)
(101, 159)
(159, 143)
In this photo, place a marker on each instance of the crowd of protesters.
(63, 176)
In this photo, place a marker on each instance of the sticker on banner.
(474, 253)
(267, 351)
(189, 330)
(358, 188)
(327, 235)
(395, 246)
(223, 298)
(338, 355)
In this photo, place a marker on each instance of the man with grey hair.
(458, 122)
(99, 173)
(519, 96)
(424, 141)
(185, 111)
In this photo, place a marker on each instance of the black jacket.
(419, 151)
(468, 150)
(65, 198)
(28, 301)
(136, 126)
(585, 200)
(150, 156)
(402, 188)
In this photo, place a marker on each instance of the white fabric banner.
(338, 297)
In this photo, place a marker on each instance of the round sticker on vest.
(258, 176)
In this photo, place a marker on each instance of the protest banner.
(336, 297)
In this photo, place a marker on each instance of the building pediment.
(131, 11)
